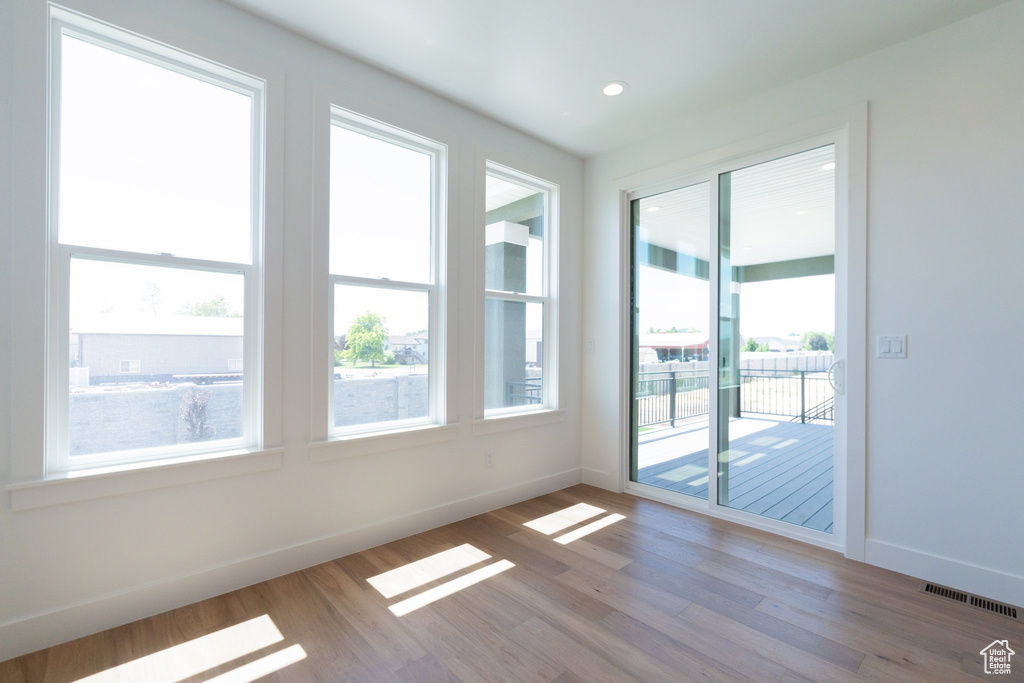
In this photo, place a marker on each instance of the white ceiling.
(539, 65)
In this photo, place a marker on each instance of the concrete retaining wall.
(128, 418)
(378, 399)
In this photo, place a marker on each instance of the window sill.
(100, 482)
(504, 423)
(355, 445)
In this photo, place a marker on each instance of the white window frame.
(548, 297)
(58, 459)
(434, 287)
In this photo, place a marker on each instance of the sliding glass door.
(671, 293)
(734, 339)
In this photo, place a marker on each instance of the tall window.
(156, 231)
(518, 281)
(385, 230)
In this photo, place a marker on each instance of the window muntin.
(518, 282)
(384, 230)
(156, 224)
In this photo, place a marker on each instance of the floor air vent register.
(974, 601)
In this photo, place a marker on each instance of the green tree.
(751, 345)
(214, 307)
(366, 338)
(818, 341)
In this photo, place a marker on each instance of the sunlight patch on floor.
(684, 472)
(747, 461)
(195, 656)
(264, 666)
(415, 574)
(563, 519)
(444, 590)
(589, 529)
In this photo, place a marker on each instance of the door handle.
(837, 376)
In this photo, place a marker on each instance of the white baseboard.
(603, 480)
(986, 582)
(43, 630)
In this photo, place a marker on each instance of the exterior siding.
(159, 355)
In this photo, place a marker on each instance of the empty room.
(584, 340)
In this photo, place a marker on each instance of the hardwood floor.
(659, 594)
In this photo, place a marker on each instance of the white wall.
(71, 569)
(945, 464)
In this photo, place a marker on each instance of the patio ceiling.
(782, 210)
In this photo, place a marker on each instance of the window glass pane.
(671, 341)
(776, 337)
(380, 211)
(155, 356)
(152, 160)
(513, 354)
(381, 355)
(515, 225)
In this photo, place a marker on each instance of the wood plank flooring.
(652, 593)
(781, 470)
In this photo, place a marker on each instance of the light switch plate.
(892, 346)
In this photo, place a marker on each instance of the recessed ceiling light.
(830, 166)
(802, 213)
(747, 248)
(652, 209)
(614, 88)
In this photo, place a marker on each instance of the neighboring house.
(119, 349)
(781, 344)
(668, 346)
(408, 349)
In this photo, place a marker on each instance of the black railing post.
(672, 399)
(803, 392)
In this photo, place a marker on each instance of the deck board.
(821, 518)
(781, 470)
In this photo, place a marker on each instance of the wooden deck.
(780, 470)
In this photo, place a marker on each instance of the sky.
(767, 309)
(380, 211)
(152, 160)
